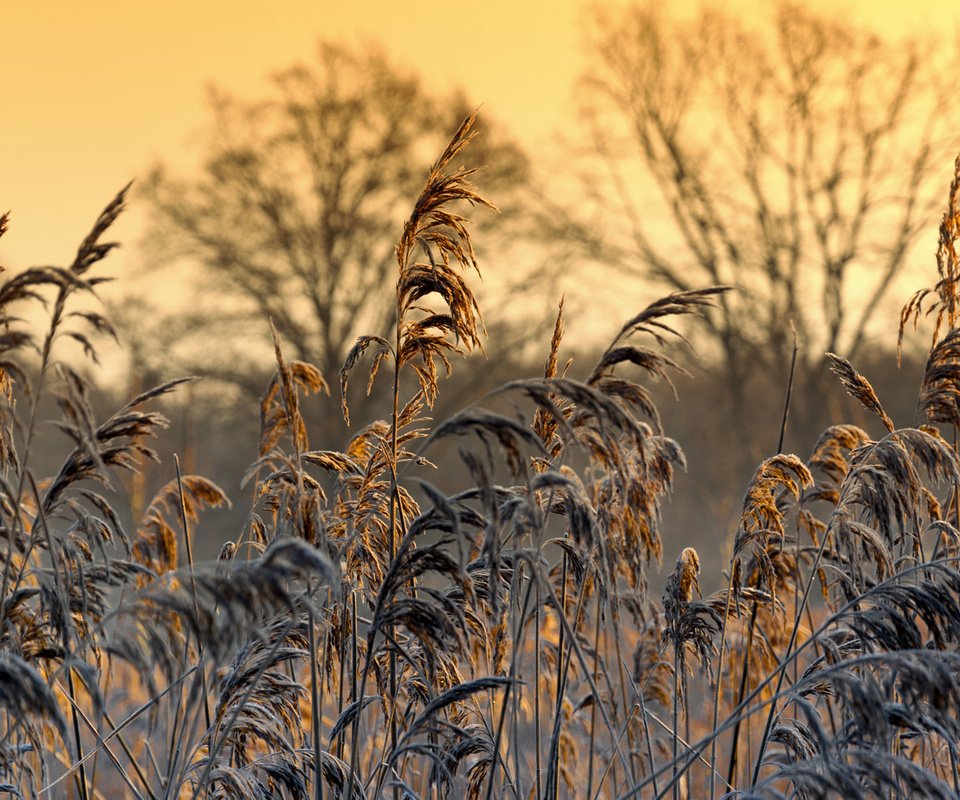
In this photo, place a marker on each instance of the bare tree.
(295, 212)
(794, 161)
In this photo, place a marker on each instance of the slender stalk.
(676, 720)
(538, 768)
(394, 503)
(596, 702)
(315, 704)
(81, 773)
(558, 704)
(196, 609)
(517, 645)
(754, 606)
(326, 645)
(789, 393)
(356, 644)
(956, 488)
(718, 694)
(615, 619)
(341, 662)
(647, 738)
(741, 693)
(514, 662)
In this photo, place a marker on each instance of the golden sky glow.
(96, 91)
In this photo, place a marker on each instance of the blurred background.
(800, 153)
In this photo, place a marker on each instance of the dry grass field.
(367, 635)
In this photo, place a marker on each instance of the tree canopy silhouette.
(798, 161)
(300, 198)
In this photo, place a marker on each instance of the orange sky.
(96, 91)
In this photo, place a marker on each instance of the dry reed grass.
(367, 634)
